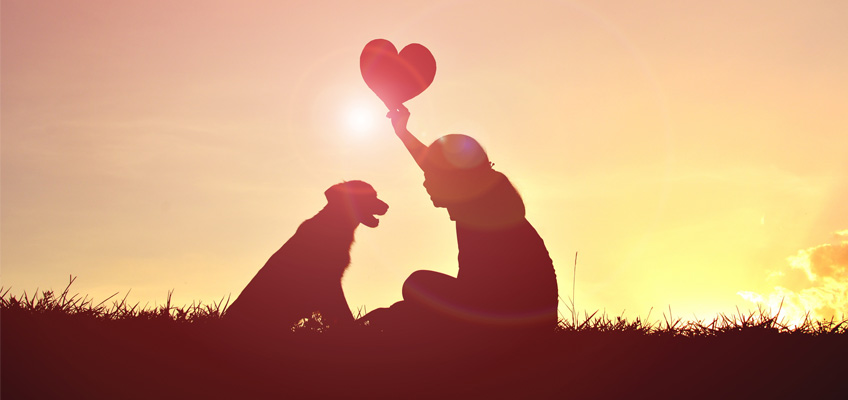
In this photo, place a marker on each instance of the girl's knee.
(424, 281)
(412, 284)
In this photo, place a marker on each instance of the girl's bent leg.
(431, 289)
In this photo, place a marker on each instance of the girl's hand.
(399, 117)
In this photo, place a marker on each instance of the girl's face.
(437, 189)
(451, 188)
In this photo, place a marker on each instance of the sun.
(358, 119)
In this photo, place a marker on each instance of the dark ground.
(54, 355)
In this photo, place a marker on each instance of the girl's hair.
(455, 152)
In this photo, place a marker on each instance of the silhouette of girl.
(506, 277)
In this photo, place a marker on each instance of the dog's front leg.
(336, 311)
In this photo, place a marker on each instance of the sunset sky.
(694, 153)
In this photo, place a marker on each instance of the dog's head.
(359, 199)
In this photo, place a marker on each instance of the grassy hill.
(62, 346)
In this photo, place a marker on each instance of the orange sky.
(685, 150)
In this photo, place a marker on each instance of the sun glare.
(358, 119)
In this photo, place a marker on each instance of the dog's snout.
(382, 207)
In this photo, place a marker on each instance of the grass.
(49, 303)
(63, 345)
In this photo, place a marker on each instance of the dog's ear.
(334, 192)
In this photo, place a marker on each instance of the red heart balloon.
(396, 77)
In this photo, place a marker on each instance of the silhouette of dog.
(304, 276)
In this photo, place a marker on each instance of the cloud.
(824, 294)
(823, 261)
